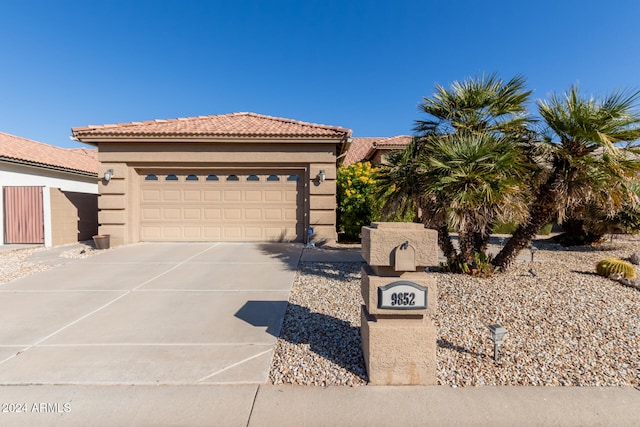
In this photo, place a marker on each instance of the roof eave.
(96, 139)
(48, 167)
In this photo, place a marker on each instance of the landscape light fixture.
(497, 336)
(108, 175)
(322, 175)
(533, 250)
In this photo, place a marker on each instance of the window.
(192, 177)
(233, 178)
(212, 177)
(293, 178)
(151, 177)
(171, 177)
(253, 178)
(273, 178)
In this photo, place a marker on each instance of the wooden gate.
(23, 215)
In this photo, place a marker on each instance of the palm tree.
(479, 179)
(485, 104)
(401, 186)
(592, 159)
(467, 154)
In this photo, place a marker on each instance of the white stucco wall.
(14, 175)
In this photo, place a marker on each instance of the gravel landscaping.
(14, 264)
(566, 325)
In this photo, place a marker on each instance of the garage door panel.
(192, 213)
(192, 195)
(254, 233)
(171, 195)
(252, 206)
(273, 196)
(253, 196)
(252, 214)
(232, 195)
(212, 195)
(291, 196)
(171, 213)
(192, 232)
(213, 233)
(290, 214)
(151, 232)
(171, 232)
(212, 214)
(233, 214)
(231, 233)
(150, 195)
(151, 213)
(273, 214)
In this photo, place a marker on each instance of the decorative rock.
(567, 326)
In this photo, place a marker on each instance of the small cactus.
(609, 266)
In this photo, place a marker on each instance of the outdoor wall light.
(108, 175)
(322, 175)
(497, 336)
(533, 250)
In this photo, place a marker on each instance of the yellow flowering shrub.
(356, 204)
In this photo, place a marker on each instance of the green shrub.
(481, 266)
(609, 266)
(356, 204)
(510, 227)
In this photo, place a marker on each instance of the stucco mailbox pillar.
(398, 335)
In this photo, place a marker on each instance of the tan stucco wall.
(74, 216)
(120, 200)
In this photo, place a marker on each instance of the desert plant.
(590, 157)
(480, 267)
(609, 266)
(356, 204)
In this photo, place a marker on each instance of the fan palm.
(478, 179)
(592, 159)
(485, 104)
(450, 172)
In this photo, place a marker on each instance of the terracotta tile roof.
(395, 142)
(363, 148)
(226, 125)
(358, 150)
(22, 150)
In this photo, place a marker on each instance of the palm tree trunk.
(541, 213)
(466, 241)
(481, 238)
(446, 245)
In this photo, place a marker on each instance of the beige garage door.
(221, 206)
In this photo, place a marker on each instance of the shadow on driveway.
(264, 314)
(325, 334)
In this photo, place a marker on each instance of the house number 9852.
(403, 299)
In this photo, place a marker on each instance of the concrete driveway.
(165, 313)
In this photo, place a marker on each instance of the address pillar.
(398, 335)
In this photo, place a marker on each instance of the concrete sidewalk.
(264, 405)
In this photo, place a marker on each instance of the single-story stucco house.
(231, 177)
(374, 150)
(48, 194)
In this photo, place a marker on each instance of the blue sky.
(364, 65)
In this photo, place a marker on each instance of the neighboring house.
(374, 150)
(232, 177)
(48, 195)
